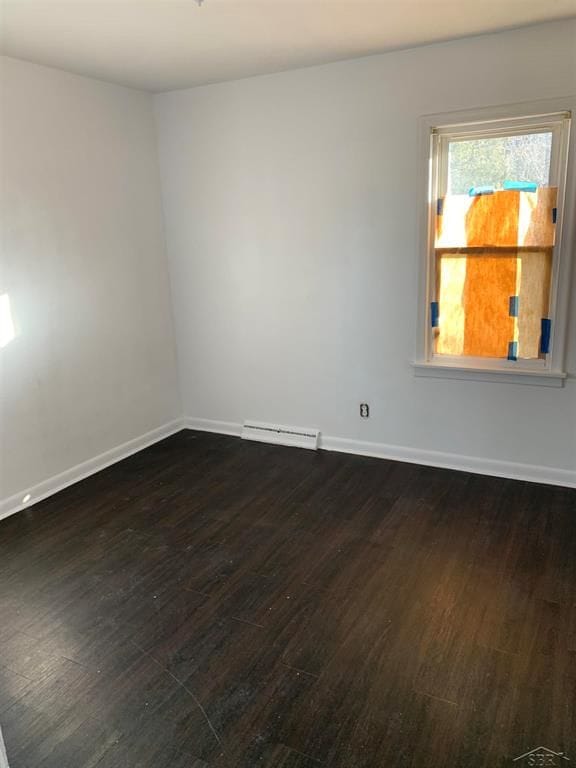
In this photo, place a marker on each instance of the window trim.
(548, 372)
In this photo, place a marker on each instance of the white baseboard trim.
(52, 485)
(475, 464)
(219, 427)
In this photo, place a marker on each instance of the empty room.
(287, 383)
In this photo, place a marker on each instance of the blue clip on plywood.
(513, 305)
(434, 314)
(522, 186)
(546, 328)
(477, 191)
(512, 350)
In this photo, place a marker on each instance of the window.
(494, 215)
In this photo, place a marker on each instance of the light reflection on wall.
(7, 332)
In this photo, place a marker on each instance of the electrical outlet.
(364, 410)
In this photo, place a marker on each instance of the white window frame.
(551, 115)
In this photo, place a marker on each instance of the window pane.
(495, 231)
(505, 218)
(491, 162)
(488, 299)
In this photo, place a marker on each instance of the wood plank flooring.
(213, 603)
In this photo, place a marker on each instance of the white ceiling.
(165, 44)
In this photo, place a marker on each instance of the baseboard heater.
(297, 437)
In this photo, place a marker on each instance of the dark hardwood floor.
(212, 602)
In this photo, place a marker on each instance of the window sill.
(540, 378)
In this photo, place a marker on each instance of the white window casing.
(553, 116)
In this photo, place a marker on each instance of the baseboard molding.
(219, 427)
(474, 464)
(477, 465)
(52, 485)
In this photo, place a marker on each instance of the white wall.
(83, 262)
(291, 213)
